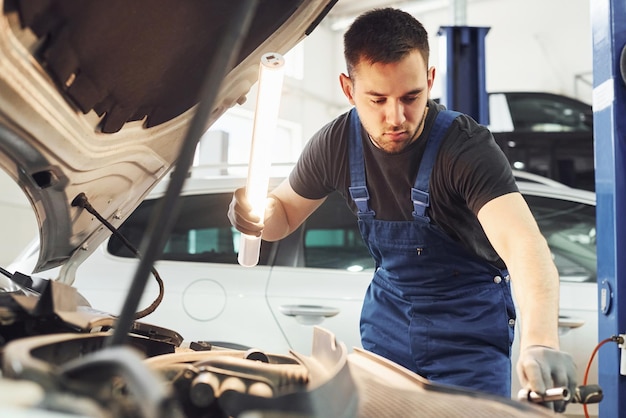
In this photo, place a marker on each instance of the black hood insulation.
(140, 59)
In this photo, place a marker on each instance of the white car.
(316, 276)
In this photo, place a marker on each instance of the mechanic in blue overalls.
(440, 211)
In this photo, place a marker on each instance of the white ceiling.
(345, 8)
(344, 11)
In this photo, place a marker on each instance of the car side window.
(570, 229)
(332, 238)
(202, 232)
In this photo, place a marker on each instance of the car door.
(320, 276)
(207, 295)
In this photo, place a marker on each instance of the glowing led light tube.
(271, 71)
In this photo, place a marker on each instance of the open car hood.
(96, 98)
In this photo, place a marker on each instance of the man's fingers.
(534, 374)
(240, 215)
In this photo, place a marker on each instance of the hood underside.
(96, 98)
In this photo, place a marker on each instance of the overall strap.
(419, 192)
(358, 187)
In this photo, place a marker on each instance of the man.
(441, 214)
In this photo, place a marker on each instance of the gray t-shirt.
(469, 171)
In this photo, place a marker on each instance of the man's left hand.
(540, 368)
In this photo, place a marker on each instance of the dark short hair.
(384, 35)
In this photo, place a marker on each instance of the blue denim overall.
(432, 306)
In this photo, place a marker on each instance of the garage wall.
(536, 45)
(532, 45)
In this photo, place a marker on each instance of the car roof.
(210, 184)
(535, 178)
(565, 193)
(528, 183)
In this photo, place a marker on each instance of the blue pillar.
(608, 21)
(465, 87)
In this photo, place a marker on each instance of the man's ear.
(431, 78)
(347, 86)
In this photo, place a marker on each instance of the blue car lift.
(608, 21)
(464, 88)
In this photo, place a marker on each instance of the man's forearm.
(276, 225)
(536, 286)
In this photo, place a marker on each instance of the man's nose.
(395, 113)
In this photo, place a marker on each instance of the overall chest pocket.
(410, 239)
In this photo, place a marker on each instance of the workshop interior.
(125, 127)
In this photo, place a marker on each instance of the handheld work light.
(271, 72)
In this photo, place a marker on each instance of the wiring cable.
(82, 201)
(6, 273)
(613, 338)
(5, 287)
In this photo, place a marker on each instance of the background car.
(316, 276)
(545, 133)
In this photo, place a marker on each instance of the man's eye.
(410, 99)
(378, 101)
